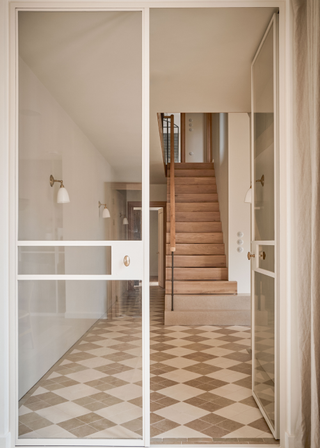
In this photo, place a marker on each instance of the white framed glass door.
(82, 298)
(264, 249)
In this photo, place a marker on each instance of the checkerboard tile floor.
(200, 384)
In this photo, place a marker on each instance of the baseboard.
(289, 441)
(84, 315)
(5, 440)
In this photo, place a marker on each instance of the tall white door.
(80, 274)
(264, 249)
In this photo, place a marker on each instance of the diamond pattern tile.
(200, 383)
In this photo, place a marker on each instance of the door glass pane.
(266, 257)
(80, 359)
(263, 91)
(80, 120)
(64, 260)
(264, 343)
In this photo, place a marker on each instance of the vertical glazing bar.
(172, 279)
(145, 223)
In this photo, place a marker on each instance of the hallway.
(200, 383)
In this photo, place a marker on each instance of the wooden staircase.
(199, 259)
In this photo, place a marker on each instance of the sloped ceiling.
(91, 63)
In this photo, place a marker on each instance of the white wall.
(153, 243)
(239, 212)
(220, 157)
(195, 137)
(51, 143)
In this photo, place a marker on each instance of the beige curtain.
(306, 199)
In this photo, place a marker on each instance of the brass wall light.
(261, 180)
(105, 213)
(63, 196)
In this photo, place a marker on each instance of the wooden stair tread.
(193, 181)
(195, 197)
(196, 207)
(192, 173)
(198, 274)
(196, 216)
(197, 261)
(202, 287)
(197, 249)
(193, 166)
(197, 238)
(197, 227)
(195, 189)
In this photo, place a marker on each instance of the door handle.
(126, 260)
(249, 255)
(262, 255)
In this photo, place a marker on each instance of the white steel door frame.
(284, 155)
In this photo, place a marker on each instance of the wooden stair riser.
(198, 274)
(193, 181)
(197, 261)
(202, 287)
(197, 238)
(194, 197)
(195, 207)
(192, 173)
(197, 227)
(193, 166)
(196, 216)
(197, 249)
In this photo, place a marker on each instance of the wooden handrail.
(159, 117)
(172, 191)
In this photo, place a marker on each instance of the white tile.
(246, 342)
(245, 431)
(238, 328)
(76, 391)
(95, 362)
(103, 351)
(232, 410)
(86, 375)
(211, 335)
(179, 351)
(179, 342)
(224, 363)
(214, 342)
(240, 394)
(62, 412)
(54, 375)
(107, 342)
(39, 391)
(54, 432)
(126, 392)
(242, 334)
(135, 363)
(120, 413)
(180, 375)
(131, 376)
(181, 413)
(24, 410)
(181, 432)
(248, 416)
(115, 432)
(178, 335)
(208, 328)
(180, 363)
(134, 352)
(227, 389)
(181, 392)
(217, 351)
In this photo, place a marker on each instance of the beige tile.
(181, 413)
(180, 392)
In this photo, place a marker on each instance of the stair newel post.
(172, 205)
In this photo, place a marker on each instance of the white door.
(160, 248)
(264, 249)
(80, 77)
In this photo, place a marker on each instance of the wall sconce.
(261, 180)
(105, 213)
(125, 221)
(248, 197)
(63, 196)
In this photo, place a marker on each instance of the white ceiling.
(91, 63)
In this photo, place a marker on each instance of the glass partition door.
(264, 228)
(80, 279)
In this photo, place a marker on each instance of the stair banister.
(172, 205)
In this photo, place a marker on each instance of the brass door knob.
(126, 260)
(249, 255)
(262, 255)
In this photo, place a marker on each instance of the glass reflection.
(264, 339)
